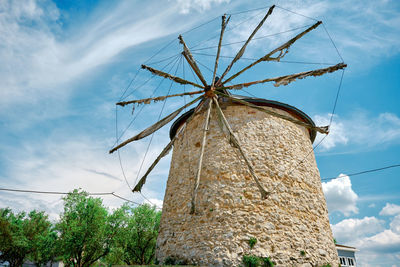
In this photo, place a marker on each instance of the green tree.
(86, 230)
(136, 239)
(22, 237)
(14, 245)
(41, 238)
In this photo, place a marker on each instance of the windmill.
(211, 95)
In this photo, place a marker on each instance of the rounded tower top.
(297, 113)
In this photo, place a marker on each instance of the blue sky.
(65, 64)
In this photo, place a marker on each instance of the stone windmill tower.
(235, 174)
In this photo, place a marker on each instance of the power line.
(50, 192)
(361, 172)
(66, 193)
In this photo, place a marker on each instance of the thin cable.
(257, 38)
(280, 61)
(152, 135)
(143, 84)
(129, 85)
(116, 128)
(127, 200)
(141, 109)
(66, 193)
(362, 172)
(201, 25)
(333, 43)
(336, 99)
(50, 192)
(147, 199)
(230, 29)
(247, 11)
(162, 60)
(295, 13)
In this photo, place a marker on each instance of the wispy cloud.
(356, 130)
(64, 163)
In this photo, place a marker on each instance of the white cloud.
(187, 6)
(395, 225)
(377, 246)
(356, 130)
(153, 201)
(352, 229)
(390, 210)
(386, 241)
(340, 196)
(337, 132)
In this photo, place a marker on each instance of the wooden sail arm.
(155, 126)
(235, 142)
(323, 129)
(165, 151)
(189, 57)
(155, 99)
(171, 77)
(223, 26)
(243, 48)
(285, 80)
(283, 49)
(200, 163)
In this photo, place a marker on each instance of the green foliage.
(26, 236)
(14, 245)
(86, 230)
(251, 261)
(267, 262)
(334, 241)
(136, 237)
(327, 265)
(302, 253)
(252, 242)
(170, 261)
(42, 238)
(255, 261)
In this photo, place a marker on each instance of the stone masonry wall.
(294, 218)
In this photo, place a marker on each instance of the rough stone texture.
(230, 211)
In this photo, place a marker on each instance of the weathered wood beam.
(164, 152)
(280, 49)
(200, 164)
(223, 26)
(155, 99)
(155, 126)
(189, 58)
(235, 142)
(243, 48)
(285, 80)
(171, 77)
